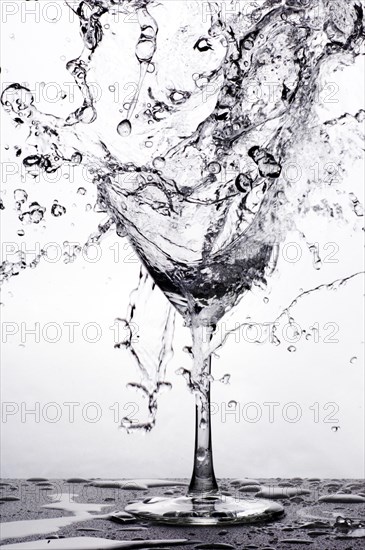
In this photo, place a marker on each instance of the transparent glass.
(203, 503)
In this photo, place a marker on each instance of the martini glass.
(204, 264)
(199, 211)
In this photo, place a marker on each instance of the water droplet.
(125, 423)
(20, 196)
(76, 158)
(335, 428)
(21, 233)
(353, 360)
(291, 349)
(275, 340)
(232, 404)
(81, 191)
(121, 230)
(124, 128)
(34, 215)
(356, 205)
(266, 300)
(225, 379)
(57, 210)
(317, 262)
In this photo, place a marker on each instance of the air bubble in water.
(353, 360)
(81, 191)
(179, 97)
(158, 163)
(335, 428)
(201, 454)
(292, 349)
(247, 43)
(203, 424)
(214, 167)
(145, 50)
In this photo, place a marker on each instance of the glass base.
(205, 510)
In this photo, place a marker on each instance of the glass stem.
(203, 480)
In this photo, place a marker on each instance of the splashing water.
(152, 349)
(195, 169)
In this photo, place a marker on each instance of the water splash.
(220, 338)
(70, 252)
(199, 185)
(151, 350)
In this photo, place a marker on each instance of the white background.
(86, 292)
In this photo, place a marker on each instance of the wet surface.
(320, 514)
